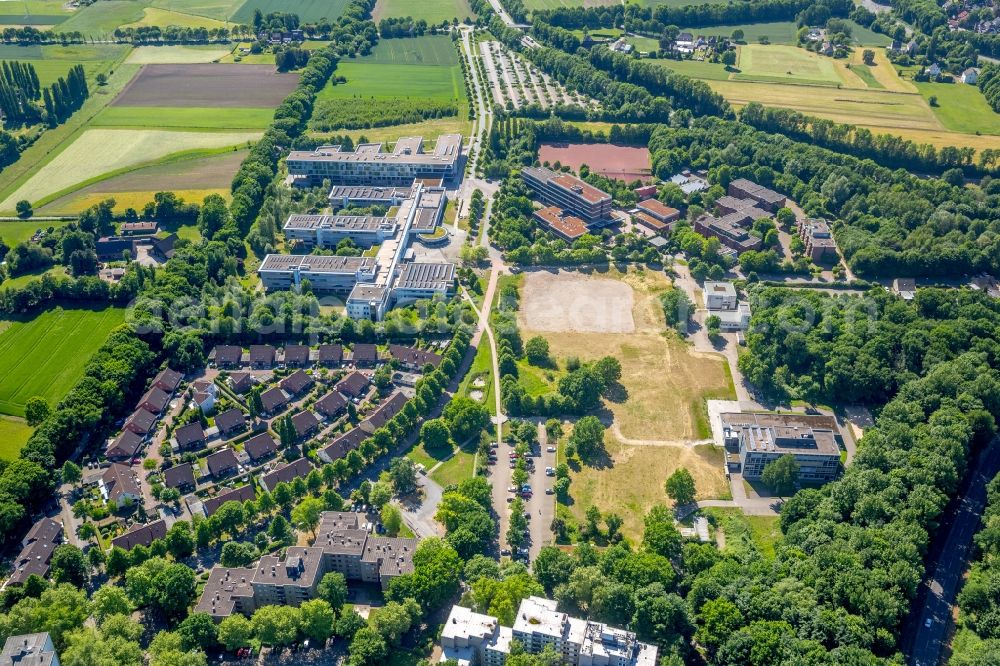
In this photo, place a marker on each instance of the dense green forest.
(978, 638)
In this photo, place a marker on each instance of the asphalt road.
(951, 563)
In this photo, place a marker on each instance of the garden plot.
(516, 83)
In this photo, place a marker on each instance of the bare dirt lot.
(208, 85)
(573, 302)
(626, 163)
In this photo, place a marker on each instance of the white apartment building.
(474, 639)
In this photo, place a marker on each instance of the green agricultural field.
(426, 67)
(432, 11)
(13, 233)
(45, 355)
(785, 64)
(309, 11)
(427, 50)
(98, 153)
(219, 10)
(176, 54)
(34, 12)
(102, 18)
(186, 118)
(14, 434)
(532, 5)
(364, 79)
(961, 107)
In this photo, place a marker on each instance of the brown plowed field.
(626, 163)
(208, 85)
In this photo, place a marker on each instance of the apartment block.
(474, 639)
(29, 650)
(370, 165)
(569, 193)
(815, 234)
(343, 544)
(759, 438)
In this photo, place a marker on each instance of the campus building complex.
(368, 164)
(568, 193)
(373, 284)
(342, 545)
(474, 639)
(758, 439)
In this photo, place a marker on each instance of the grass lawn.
(762, 531)
(961, 107)
(457, 468)
(785, 63)
(309, 11)
(432, 11)
(45, 354)
(176, 54)
(13, 233)
(669, 3)
(534, 379)
(482, 366)
(699, 69)
(777, 32)
(22, 280)
(630, 481)
(14, 434)
(186, 118)
(99, 152)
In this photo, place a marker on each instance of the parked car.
(505, 552)
(550, 471)
(551, 449)
(549, 491)
(526, 488)
(512, 489)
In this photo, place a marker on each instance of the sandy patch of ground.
(574, 302)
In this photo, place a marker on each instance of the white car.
(551, 449)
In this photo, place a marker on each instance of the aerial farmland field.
(100, 152)
(398, 80)
(45, 354)
(309, 11)
(191, 179)
(176, 54)
(207, 85)
(432, 11)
